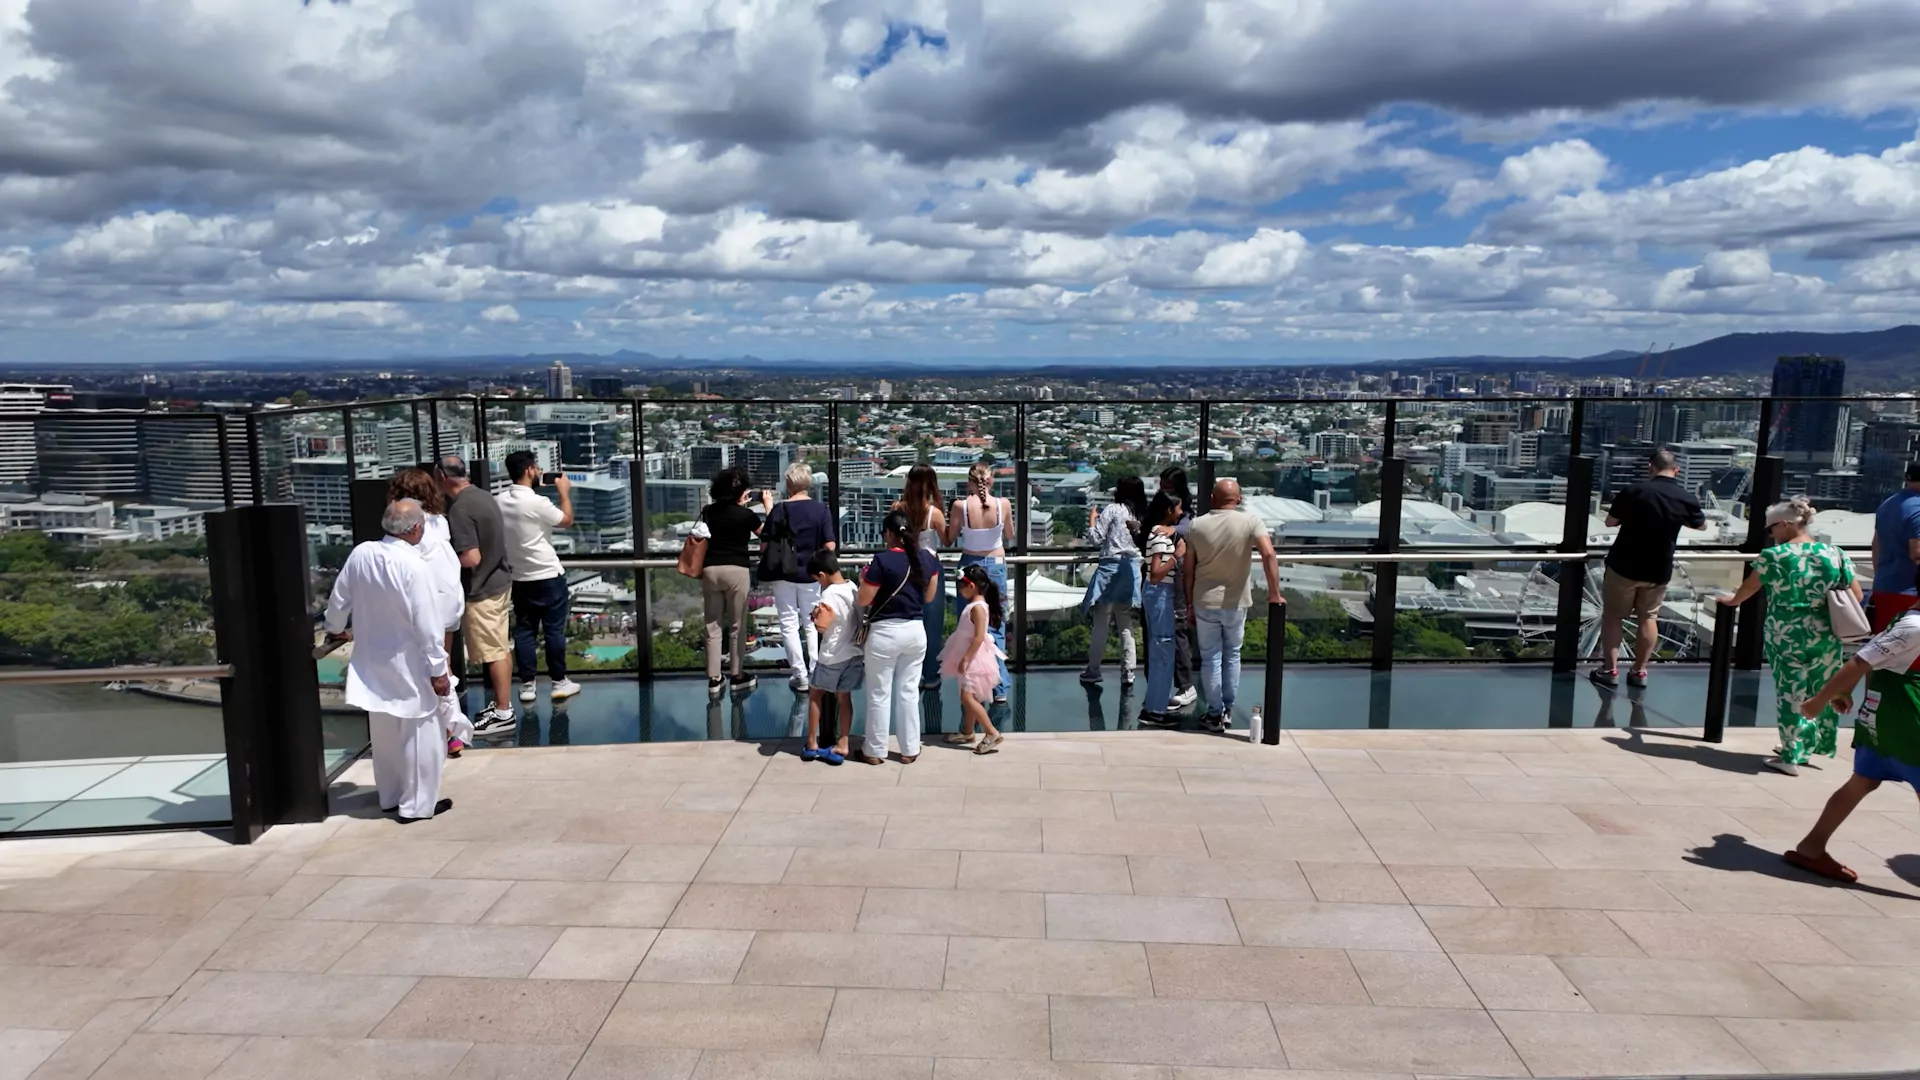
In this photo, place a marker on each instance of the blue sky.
(864, 180)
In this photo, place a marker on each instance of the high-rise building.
(1700, 462)
(19, 404)
(89, 444)
(321, 487)
(706, 460)
(606, 386)
(1675, 423)
(1341, 446)
(559, 380)
(1810, 435)
(1490, 427)
(588, 435)
(183, 459)
(766, 463)
(1887, 447)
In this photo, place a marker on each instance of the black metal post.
(833, 462)
(270, 706)
(346, 426)
(1017, 574)
(642, 544)
(480, 426)
(416, 430)
(253, 462)
(1576, 427)
(1386, 576)
(1276, 672)
(1205, 488)
(433, 421)
(1768, 471)
(1573, 573)
(1719, 671)
(1392, 421)
(226, 459)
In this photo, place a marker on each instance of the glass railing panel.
(1309, 469)
(1076, 453)
(686, 445)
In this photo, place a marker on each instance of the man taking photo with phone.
(540, 597)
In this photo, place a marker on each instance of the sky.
(1256, 179)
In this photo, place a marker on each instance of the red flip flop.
(1825, 866)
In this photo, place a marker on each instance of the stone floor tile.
(953, 911)
(1702, 791)
(23, 1049)
(864, 868)
(63, 940)
(700, 1017)
(662, 863)
(1148, 1031)
(371, 899)
(703, 798)
(1586, 790)
(1592, 1044)
(82, 1053)
(1445, 886)
(1443, 762)
(1676, 936)
(806, 830)
(782, 798)
(1616, 852)
(1501, 817)
(1019, 966)
(55, 998)
(1242, 973)
(308, 945)
(278, 1003)
(181, 894)
(1171, 807)
(1291, 784)
(1333, 759)
(1297, 843)
(1461, 849)
(1619, 890)
(607, 954)
(1301, 812)
(537, 862)
(1000, 772)
(1755, 894)
(695, 956)
(382, 858)
(1110, 778)
(943, 1023)
(1871, 940)
(475, 952)
(341, 1059)
(1687, 821)
(1178, 919)
(623, 828)
(1351, 883)
(605, 1062)
(1034, 871)
(71, 891)
(1807, 1047)
(943, 802)
(878, 961)
(518, 1061)
(1519, 982)
(585, 903)
(731, 865)
(767, 907)
(167, 1057)
(502, 1010)
(1681, 987)
(1612, 766)
(978, 1069)
(1371, 1038)
(1852, 992)
(760, 1065)
(1385, 815)
(1016, 803)
(970, 834)
(291, 898)
(1184, 875)
(1414, 979)
(1122, 838)
(1298, 925)
(1540, 931)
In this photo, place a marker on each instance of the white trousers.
(408, 755)
(895, 650)
(794, 602)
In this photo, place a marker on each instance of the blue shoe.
(832, 758)
(812, 755)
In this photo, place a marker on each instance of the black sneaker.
(746, 684)
(1637, 679)
(1215, 722)
(1607, 677)
(1089, 680)
(492, 719)
(716, 687)
(1158, 720)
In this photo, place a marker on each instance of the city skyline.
(1347, 182)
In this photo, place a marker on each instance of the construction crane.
(1658, 371)
(1643, 363)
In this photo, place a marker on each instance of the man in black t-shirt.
(1650, 514)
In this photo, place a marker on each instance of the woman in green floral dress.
(1802, 649)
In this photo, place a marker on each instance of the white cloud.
(1571, 165)
(500, 314)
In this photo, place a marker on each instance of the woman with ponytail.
(895, 589)
(920, 501)
(981, 523)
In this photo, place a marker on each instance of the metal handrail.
(114, 674)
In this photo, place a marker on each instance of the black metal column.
(1017, 573)
(353, 461)
(1204, 488)
(1767, 474)
(1719, 672)
(642, 537)
(253, 460)
(226, 460)
(833, 462)
(270, 707)
(1276, 672)
(1386, 576)
(433, 423)
(1573, 573)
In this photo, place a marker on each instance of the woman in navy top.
(812, 525)
(897, 587)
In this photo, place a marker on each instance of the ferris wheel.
(1679, 637)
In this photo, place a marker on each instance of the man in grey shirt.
(479, 538)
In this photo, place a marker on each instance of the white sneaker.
(1782, 765)
(1184, 698)
(565, 688)
(529, 691)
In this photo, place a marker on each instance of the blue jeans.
(540, 610)
(1221, 631)
(935, 616)
(997, 573)
(1157, 606)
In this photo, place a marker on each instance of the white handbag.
(1849, 618)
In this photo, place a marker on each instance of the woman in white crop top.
(981, 523)
(920, 501)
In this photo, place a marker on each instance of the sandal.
(865, 758)
(908, 759)
(959, 738)
(990, 745)
(1825, 866)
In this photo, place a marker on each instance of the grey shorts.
(839, 678)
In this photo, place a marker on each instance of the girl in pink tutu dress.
(971, 659)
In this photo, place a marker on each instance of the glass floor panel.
(675, 708)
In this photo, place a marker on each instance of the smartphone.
(548, 479)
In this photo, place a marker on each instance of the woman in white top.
(1115, 589)
(920, 501)
(982, 524)
(443, 570)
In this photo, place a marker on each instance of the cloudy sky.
(950, 178)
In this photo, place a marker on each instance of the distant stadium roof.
(1410, 510)
(1277, 511)
(1843, 527)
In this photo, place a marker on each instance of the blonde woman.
(982, 525)
(810, 523)
(1802, 649)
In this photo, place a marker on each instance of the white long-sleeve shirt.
(386, 592)
(436, 549)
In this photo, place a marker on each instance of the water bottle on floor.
(1255, 729)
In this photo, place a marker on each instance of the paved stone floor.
(1114, 906)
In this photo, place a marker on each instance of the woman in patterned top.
(1802, 649)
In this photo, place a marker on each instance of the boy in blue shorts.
(1886, 733)
(838, 665)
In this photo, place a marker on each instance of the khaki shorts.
(1621, 596)
(484, 625)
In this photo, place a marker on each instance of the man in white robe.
(398, 672)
